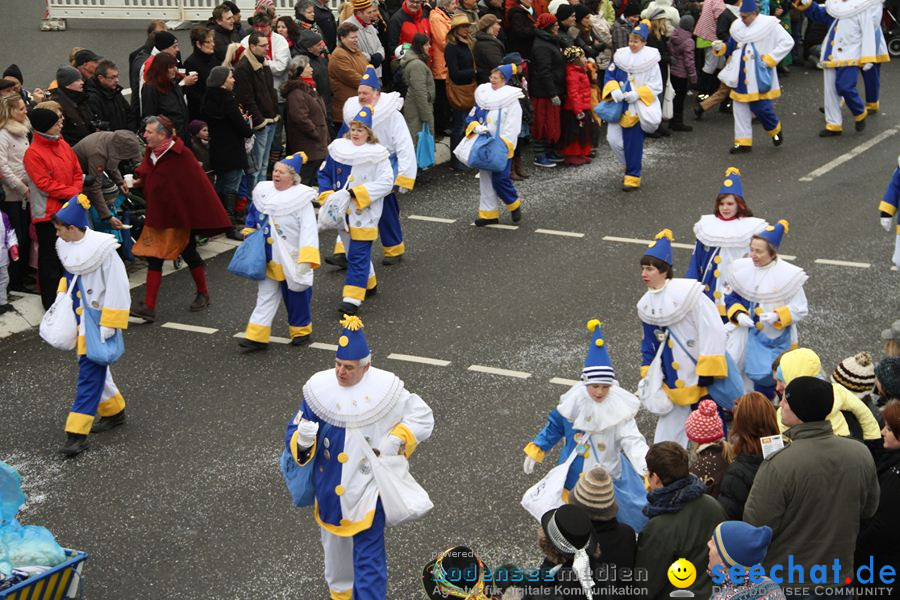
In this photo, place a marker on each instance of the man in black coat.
(326, 23)
(110, 108)
(71, 97)
(255, 91)
(223, 31)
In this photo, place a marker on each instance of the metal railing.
(146, 10)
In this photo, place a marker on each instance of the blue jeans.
(261, 149)
(228, 182)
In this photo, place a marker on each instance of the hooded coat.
(418, 106)
(102, 151)
(13, 144)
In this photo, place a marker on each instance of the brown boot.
(517, 166)
(199, 303)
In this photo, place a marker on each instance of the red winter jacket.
(578, 89)
(55, 170)
(405, 25)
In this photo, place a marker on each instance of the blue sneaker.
(542, 161)
(555, 157)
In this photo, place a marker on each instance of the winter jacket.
(110, 108)
(170, 104)
(617, 543)
(664, 6)
(418, 106)
(135, 62)
(792, 484)
(305, 120)
(55, 174)
(578, 89)
(327, 24)
(723, 23)
(222, 38)
(520, 29)
(709, 15)
(13, 144)
(709, 467)
(681, 50)
(736, 484)
(878, 536)
(602, 32)
(548, 67)
(227, 130)
(405, 25)
(460, 64)
(486, 9)
(663, 46)
(489, 52)
(254, 91)
(345, 69)
(369, 43)
(77, 111)
(682, 534)
(319, 63)
(439, 22)
(101, 152)
(202, 64)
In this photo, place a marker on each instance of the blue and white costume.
(102, 287)
(633, 77)
(753, 51)
(888, 209)
(682, 326)
(720, 242)
(872, 77)
(772, 297)
(292, 252)
(377, 411)
(599, 431)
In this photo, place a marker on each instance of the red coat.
(179, 194)
(578, 89)
(55, 170)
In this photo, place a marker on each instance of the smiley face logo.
(682, 573)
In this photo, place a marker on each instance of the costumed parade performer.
(888, 209)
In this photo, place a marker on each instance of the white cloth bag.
(334, 210)
(668, 106)
(58, 326)
(546, 494)
(650, 388)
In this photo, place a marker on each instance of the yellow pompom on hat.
(597, 363)
(774, 234)
(352, 344)
(661, 248)
(75, 211)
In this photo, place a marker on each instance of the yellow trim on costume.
(355, 292)
(743, 141)
(310, 254)
(721, 51)
(887, 208)
(833, 127)
(565, 496)
(403, 432)
(712, 366)
(79, 311)
(470, 128)
(784, 317)
(873, 105)
(339, 247)
(364, 234)
(274, 271)
(371, 283)
(345, 595)
(79, 423)
(258, 333)
(644, 370)
(324, 196)
(646, 94)
(629, 120)
(346, 528)
(111, 406)
(770, 95)
(361, 196)
(609, 87)
(721, 308)
(394, 250)
(510, 150)
(299, 331)
(534, 452)
(898, 229)
(62, 286)
(339, 490)
(860, 117)
(632, 181)
(731, 313)
(404, 182)
(488, 214)
(770, 62)
(247, 231)
(311, 453)
(342, 457)
(116, 318)
(855, 62)
(775, 131)
(685, 396)
(80, 346)
(514, 205)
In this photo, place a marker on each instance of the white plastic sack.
(546, 494)
(58, 326)
(402, 498)
(668, 106)
(333, 210)
(650, 389)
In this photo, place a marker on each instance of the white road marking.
(849, 155)
(626, 240)
(273, 339)
(321, 346)
(842, 263)
(419, 359)
(501, 226)
(561, 381)
(432, 219)
(504, 372)
(561, 233)
(191, 328)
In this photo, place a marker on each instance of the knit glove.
(617, 95)
(14, 250)
(886, 223)
(868, 66)
(106, 333)
(769, 318)
(744, 320)
(307, 433)
(555, 101)
(528, 467)
(631, 96)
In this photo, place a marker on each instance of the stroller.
(891, 30)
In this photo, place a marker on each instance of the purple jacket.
(681, 48)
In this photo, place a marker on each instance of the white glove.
(868, 66)
(555, 101)
(887, 223)
(307, 433)
(391, 445)
(744, 320)
(617, 95)
(805, 2)
(481, 129)
(528, 467)
(403, 190)
(631, 96)
(106, 333)
(769, 318)
(718, 45)
(303, 269)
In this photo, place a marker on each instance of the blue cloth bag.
(609, 111)
(761, 352)
(249, 259)
(763, 73)
(631, 496)
(99, 351)
(489, 152)
(425, 148)
(726, 390)
(297, 479)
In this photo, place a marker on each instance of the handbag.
(98, 350)
(249, 259)
(489, 152)
(631, 496)
(546, 494)
(763, 73)
(297, 479)
(761, 353)
(425, 148)
(668, 105)
(58, 325)
(650, 389)
(609, 111)
(461, 97)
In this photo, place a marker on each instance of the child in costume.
(575, 122)
(497, 111)
(683, 344)
(764, 305)
(722, 238)
(633, 77)
(9, 249)
(709, 453)
(596, 420)
(888, 209)
(101, 302)
(358, 166)
(283, 207)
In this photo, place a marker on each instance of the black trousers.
(19, 219)
(441, 108)
(49, 267)
(189, 255)
(680, 84)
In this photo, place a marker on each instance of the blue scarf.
(673, 497)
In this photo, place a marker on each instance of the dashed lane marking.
(626, 240)
(192, 328)
(432, 219)
(321, 346)
(843, 263)
(503, 372)
(424, 360)
(273, 339)
(501, 226)
(849, 155)
(561, 381)
(560, 233)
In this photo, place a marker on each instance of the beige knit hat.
(594, 492)
(856, 373)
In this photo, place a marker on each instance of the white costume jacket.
(851, 39)
(493, 109)
(639, 72)
(377, 407)
(765, 40)
(392, 131)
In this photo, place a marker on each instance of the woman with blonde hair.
(660, 30)
(14, 129)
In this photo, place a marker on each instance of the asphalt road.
(186, 501)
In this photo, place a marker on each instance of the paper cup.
(129, 180)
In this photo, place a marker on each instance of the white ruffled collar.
(710, 230)
(488, 98)
(636, 62)
(841, 9)
(759, 29)
(588, 415)
(86, 255)
(664, 309)
(346, 152)
(388, 102)
(358, 406)
(270, 201)
(775, 283)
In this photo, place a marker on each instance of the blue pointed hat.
(295, 161)
(748, 6)
(774, 234)
(352, 344)
(732, 183)
(642, 29)
(597, 364)
(661, 248)
(364, 116)
(370, 78)
(75, 211)
(507, 71)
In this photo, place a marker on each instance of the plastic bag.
(546, 494)
(30, 545)
(425, 148)
(11, 495)
(58, 326)
(249, 260)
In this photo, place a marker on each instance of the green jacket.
(418, 106)
(684, 534)
(813, 494)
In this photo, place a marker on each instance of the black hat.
(810, 398)
(632, 9)
(42, 119)
(14, 71)
(888, 374)
(309, 38)
(564, 12)
(455, 569)
(163, 40)
(570, 522)
(85, 56)
(581, 11)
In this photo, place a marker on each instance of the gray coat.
(418, 106)
(102, 151)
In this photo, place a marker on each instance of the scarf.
(309, 81)
(673, 497)
(581, 563)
